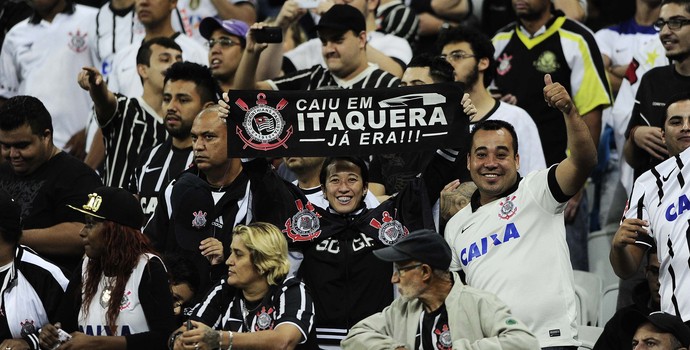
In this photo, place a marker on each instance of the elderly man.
(435, 309)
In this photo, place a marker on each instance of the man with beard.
(130, 125)
(436, 310)
(644, 147)
(544, 41)
(188, 89)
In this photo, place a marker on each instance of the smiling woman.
(257, 305)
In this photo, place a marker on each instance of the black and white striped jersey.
(290, 303)
(397, 19)
(660, 196)
(318, 77)
(134, 127)
(155, 169)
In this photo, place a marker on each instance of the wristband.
(229, 340)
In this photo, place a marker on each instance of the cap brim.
(86, 212)
(391, 254)
(332, 26)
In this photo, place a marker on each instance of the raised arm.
(572, 172)
(104, 100)
(245, 78)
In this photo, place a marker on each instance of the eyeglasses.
(673, 23)
(398, 269)
(456, 55)
(224, 43)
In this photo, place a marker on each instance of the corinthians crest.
(305, 225)
(263, 124)
(390, 230)
(508, 208)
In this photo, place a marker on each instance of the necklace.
(245, 313)
(107, 292)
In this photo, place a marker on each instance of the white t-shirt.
(530, 148)
(193, 11)
(660, 196)
(515, 247)
(131, 319)
(124, 77)
(308, 54)
(44, 59)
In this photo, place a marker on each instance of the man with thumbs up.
(519, 221)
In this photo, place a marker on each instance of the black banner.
(345, 122)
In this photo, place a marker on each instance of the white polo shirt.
(44, 59)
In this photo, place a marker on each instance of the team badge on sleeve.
(390, 230)
(508, 208)
(305, 225)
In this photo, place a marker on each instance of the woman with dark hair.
(120, 297)
(258, 306)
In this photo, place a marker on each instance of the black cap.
(342, 17)
(666, 323)
(193, 211)
(10, 214)
(113, 204)
(425, 246)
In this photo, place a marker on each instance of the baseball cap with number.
(113, 204)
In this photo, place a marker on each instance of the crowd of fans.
(125, 223)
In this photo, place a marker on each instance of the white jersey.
(124, 77)
(530, 149)
(308, 54)
(193, 11)
(115, 30)
(660, 196)
(515, 247)
(43, 60)
(131, 319)
(648, 54)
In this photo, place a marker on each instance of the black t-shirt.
(656, 87)
(44, 194)
(434, 332)
(395, 170)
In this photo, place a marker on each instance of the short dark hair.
(491, 124)
(144, 53)
(439, 69)
(21, 110)
(684, 3)
(480, 43)
(357, 161)
(675, 98)
(182, 270)
(206, 85)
